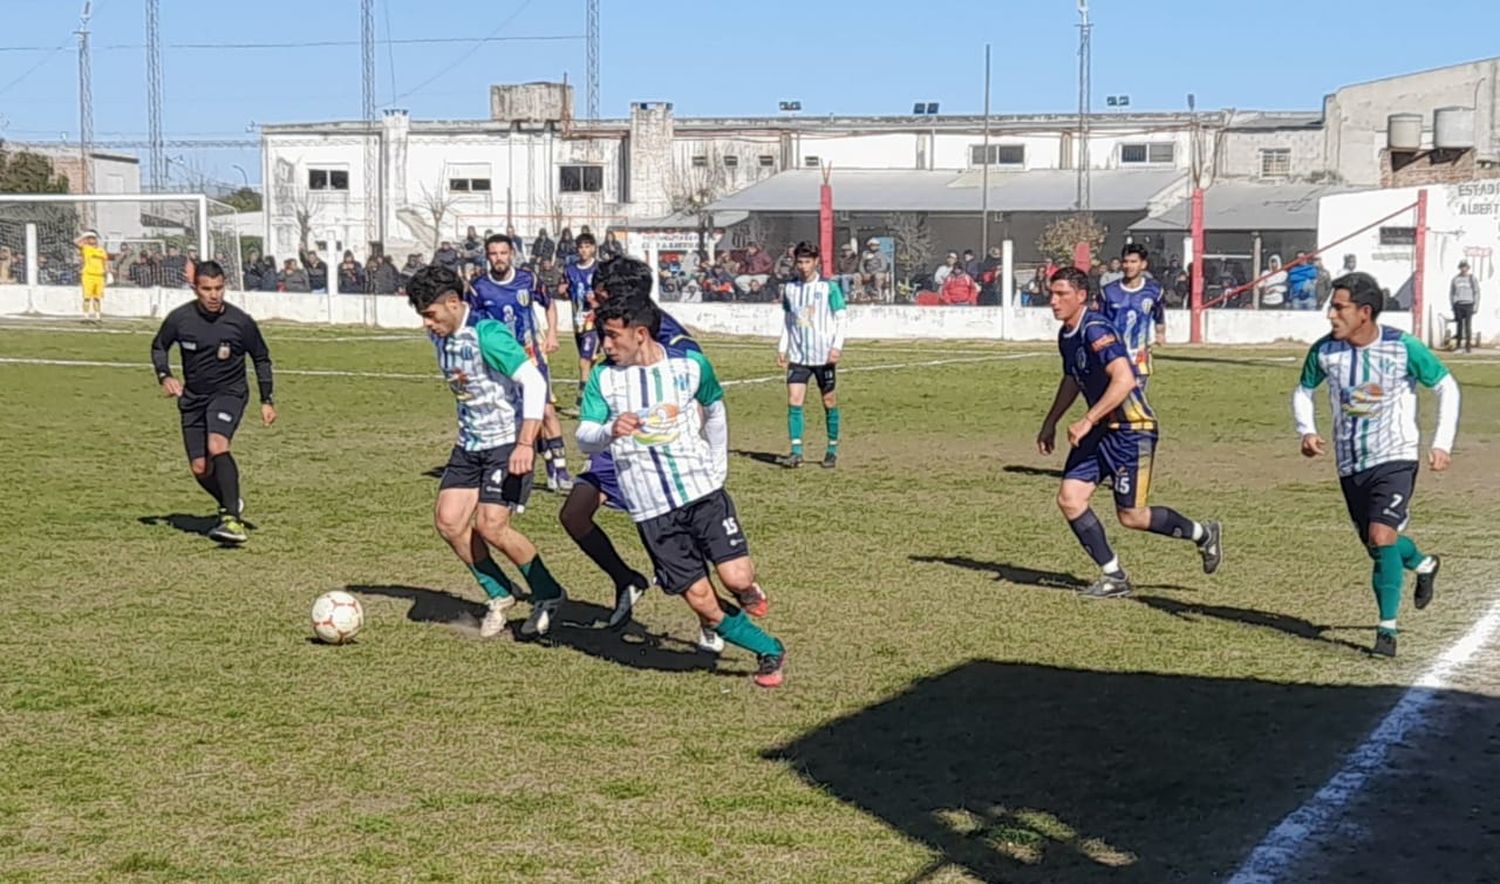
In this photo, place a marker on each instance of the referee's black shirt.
(214, 346)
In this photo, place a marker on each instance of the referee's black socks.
(226, 474)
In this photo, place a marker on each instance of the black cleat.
(1211, 547)
(1427, 584)
(830, 460)
(790, 461)
(1109, 586)
(1385, 643)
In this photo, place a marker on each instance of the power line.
(465, 57)
(318, 44)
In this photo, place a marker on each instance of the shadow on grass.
(1023, 470)
(191, 524)
(579, 626)
(1253, 361)
(436, 472)
(1294, 626)
(1025, 773)
(1009, 573)
(764, 457)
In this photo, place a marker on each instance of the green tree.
(1064, 234)
(244, 200)
(22, 171)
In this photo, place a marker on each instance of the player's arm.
(1431, 373)
(1122, 382)
(1303, 413)
(260, 356)
(504, 354)
(840, 312)
(595, 431)
(710, 395)
(1159, 316)
(550, 315)
(787, 319)
(1067, 392)
(166, 336)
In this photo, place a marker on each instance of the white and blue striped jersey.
(481, 363)
(813, 315)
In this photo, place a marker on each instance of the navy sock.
(1090, 533)
(1169, 522)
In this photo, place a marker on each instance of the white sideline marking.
(146, 332)
(399, 376)
(1279, 851)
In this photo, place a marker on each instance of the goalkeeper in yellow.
(94, 260)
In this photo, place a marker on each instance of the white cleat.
(540, 621)
(625, 599)
(709, 641)
(494, 621)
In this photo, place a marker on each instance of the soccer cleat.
(754, 601)
(540, 621)
(564, 481)
(229, 530)
(625, 598)
(830, 460)
(709, 641)
(494, 619)
(1385, 643)
(769, 673)
(790, 461)
(1211, 547)
(1109, 586)
(1426, 581)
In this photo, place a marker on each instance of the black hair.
(1363, 291)
(624, 278)
(498, 238)
(209, 269)
(1072, 276)
(1136, 249)
(805, 249)
(431, 284)
(584, 237)
(633, 310)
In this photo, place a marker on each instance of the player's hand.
(1080, 428)
(1312, 445)
(626, 424)
(522, 459)
(1438, 459)
(268, 413)
(1046, 440)
(1161, 339)
(171, 387)
(550, 345)
(781, 360)
(833, 356)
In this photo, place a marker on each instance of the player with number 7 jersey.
(661, 415)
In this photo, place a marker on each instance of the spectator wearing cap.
(848, 267)
(989, 276)
(874, 269)
(1463, 295)
(944, 270)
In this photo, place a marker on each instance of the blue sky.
(708, 58)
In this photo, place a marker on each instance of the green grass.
(948, 712)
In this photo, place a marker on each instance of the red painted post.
(1419, 273)
(825, 222)
(1196, 304)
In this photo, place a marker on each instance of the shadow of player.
(1023, 470)
(1293, 626)
(1010, 573)
(191, 524)
(764, 457)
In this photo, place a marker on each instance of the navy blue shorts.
(601, 474)
(588, 344)
(1122, 456)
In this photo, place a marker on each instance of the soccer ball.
(337, 617)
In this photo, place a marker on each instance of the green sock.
(1387, 580)
(1411, 557)
(833, 428)
(543, 585)
(491, 579)
(737, 629)
(794, 427)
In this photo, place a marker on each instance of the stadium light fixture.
(790, 107)
(924, 108)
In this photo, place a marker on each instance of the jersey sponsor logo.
(658, 425)
(1103, 341)
(458, 382)
(1364, 400)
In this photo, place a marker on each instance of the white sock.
(1112, 566)
(1388, 624)
(1198, 532)
(1427, 566)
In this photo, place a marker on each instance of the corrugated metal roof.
(860, 190)
(1247, 206)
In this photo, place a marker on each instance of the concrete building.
(108, 173)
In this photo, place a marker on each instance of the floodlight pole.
(984, 196)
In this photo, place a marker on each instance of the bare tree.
(304, 211)
(914, 247)
(695, 184)
(433, 207)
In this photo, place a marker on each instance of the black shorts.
(201, 415)
(489, 471)
(684, 542)
(827, 375)
(1380, 495)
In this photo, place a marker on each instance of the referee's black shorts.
(204, 414)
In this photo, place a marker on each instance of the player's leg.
(721, 541)
(1386, 497)
(597, 486)
(222, 418)
(1081, 476)
(588, 345)
(453, 516)
(1128, 457)
(828, 380)
(194, 415)
(796, 394)
(500, 496)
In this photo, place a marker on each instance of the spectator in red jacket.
(959, 287)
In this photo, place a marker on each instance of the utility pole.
(1085, 70)
(593, 59)
(374, 217)
(984, 199)
(85, 105)
(157, 154)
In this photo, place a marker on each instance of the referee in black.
(214, 337)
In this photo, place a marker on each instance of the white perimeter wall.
(762, 320)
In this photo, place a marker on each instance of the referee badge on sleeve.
(223, 349)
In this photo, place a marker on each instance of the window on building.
(1398, 236)
(812, 162)
(998, 155)
(1275, 162)
(469, 185)
(327, 179)
(767, 161)
(581, 179)
(731, 162)
(1153, 153)
(700, 161)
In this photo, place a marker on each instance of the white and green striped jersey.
(1373, 393)
(668, 462)
(483, 364)
(813, 315)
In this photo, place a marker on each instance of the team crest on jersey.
(523, 297)
(1364, 400)
(1082, 358)
(1145, 305)
(658, 425)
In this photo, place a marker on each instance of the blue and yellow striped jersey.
(1086, 351)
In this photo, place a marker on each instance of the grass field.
(952, 711)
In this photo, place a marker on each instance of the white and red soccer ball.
(337, 617)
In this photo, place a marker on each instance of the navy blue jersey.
(509, 304)
(1135, 315)
(580, 286)
(1086, 351)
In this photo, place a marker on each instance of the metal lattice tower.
(85, 98)
(157, 154)
(373, 215)
(1085, 87)
(593, 58)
